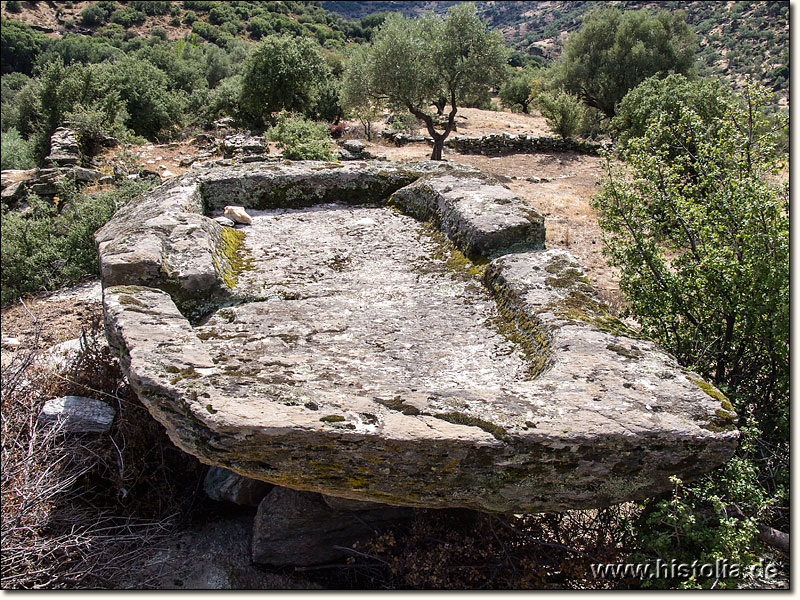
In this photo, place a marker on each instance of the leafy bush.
(593, 124)
(128, 17)
(53, 244)
(151, 7)
(327, 106)
(713, 519)
(13, 6)
(706, 96)
(152, 109)
(16, 153)
(699, 226)
(517, 92)
(301, 139)
(404, 122)
(561, 110)
(614, 51)
(19, 46)
(93, 15)
(281, 73)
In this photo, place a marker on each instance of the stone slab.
(375, 367)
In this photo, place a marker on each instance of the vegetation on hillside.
(698, 223)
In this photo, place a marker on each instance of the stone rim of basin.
(615, 415)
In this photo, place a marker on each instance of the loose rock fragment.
(78, 414)
(237, 214)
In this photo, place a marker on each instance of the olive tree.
(415, 62)
(519, 89)
(358, 97)
(614, 51)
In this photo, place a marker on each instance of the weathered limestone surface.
(366, 358)
(480, 216)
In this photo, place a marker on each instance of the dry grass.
(78, 509)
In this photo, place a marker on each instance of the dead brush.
(77, 510)
(462, 549)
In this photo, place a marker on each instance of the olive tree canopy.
(414, 62)
(615, 51)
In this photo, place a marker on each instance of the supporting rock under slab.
(369, 361)
(301, 528)
(224, 485)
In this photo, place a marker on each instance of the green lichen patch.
(712, 391)
(445, 256)
(463, 419)
(579, 306)
(564, 274)
(181, 374)
(127, 300)
(520, 328)
(332, 419)
(236, 256)
(399, 405)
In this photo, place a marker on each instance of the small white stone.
(237, 214)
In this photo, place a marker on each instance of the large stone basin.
(393, 333)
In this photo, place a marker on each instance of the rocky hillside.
(735, 38)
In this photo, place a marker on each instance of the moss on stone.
(519, 327)
(581, 307)
(236, 254)
(399, 405)
(463, 419)
(127, 300)
(711, 391)
(332, 419)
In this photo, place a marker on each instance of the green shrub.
(698, 223)
(281, 73)
(561, 110)
(708, 97)
(404, 122)
(13, 6)
(151, 7)
(53, 244)
(127, 17)
(327, 106)
(301, 139)
(16, 152)
(93, 15)
(19, 47)
(593, 124)
(517, 92)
